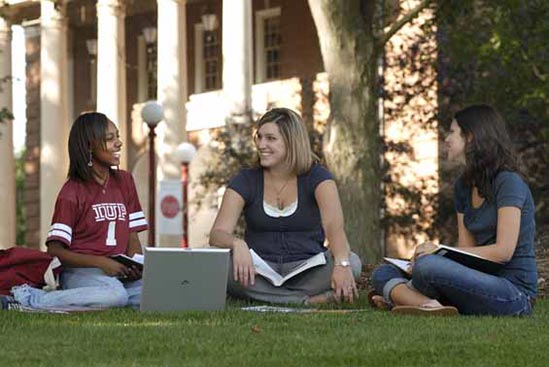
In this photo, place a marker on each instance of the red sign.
(169, 206)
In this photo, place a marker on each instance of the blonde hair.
(299, 155)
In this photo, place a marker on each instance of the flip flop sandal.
(425, 311)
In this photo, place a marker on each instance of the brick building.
(203, 60)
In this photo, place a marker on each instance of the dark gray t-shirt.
(509, 190)
(282, 239)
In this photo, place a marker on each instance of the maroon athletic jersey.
(97, 219)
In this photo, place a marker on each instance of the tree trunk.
(351, 145)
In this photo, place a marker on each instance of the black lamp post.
(152, 113)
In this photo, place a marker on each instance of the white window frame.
(199, 72)
(260, 17)
(198, 58)
(142, 77)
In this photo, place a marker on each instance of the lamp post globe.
(185, 153)
(152, 113)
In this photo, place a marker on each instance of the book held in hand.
(403, 265)
(263, 269)
(468, 259)
(136, 260)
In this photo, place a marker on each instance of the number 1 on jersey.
(111, 234)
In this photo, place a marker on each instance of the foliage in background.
(5, 114)
(410, 182)
(233, 148)
(496, 52)
(489, 51)
(419, 201)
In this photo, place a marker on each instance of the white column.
(172, 83)
(171, 94)
(237, 57)
(7, 160)
(54, 160)
(111, 66)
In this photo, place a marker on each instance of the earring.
(90, 162)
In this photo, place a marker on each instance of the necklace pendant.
(279, 204)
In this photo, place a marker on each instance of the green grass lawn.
(238, 338)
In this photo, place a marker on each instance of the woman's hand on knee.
(243, 267)
(425, 248)
(343, 284)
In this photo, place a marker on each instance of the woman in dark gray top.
(290, 205)
(495, 215)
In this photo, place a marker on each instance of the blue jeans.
(470, 291)
(87, 287)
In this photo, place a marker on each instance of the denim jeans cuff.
(388, 287)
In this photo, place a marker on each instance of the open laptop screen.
(176, 279)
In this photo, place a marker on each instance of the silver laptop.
(176, 279)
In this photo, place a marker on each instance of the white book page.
(262, 268)
(318, 259)
(403, 265)
(138, 258)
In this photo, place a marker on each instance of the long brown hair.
(488, 148)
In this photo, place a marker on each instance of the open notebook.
(458, 255)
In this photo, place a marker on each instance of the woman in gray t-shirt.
(290, 205)
(495, 216)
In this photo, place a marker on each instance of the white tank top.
(273, 211)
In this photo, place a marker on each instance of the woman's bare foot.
(379, 302)
(320, 299)
(433, 303)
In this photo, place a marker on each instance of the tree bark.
(351, 41)
(346, 31)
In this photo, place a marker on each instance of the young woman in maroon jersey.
(97, 215)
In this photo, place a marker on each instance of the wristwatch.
(344, 262)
